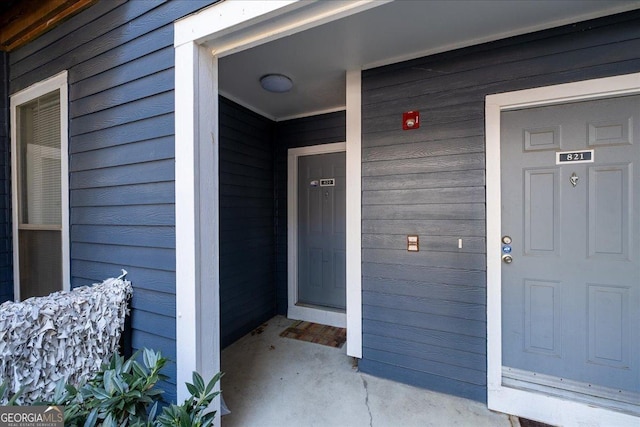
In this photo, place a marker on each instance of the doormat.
(530, 423)
(316, 333)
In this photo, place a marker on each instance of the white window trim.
(548, 409)
(224, 28)
(57, 82)
(294, 311)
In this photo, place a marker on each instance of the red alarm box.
(411, 120)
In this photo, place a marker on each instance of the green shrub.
(124, 393)
(192, 411)
(11, 401)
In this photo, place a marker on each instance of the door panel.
(542, 317)
(571, 296)
(321, 230)
(541, 211)
(608, 326)
(609, 212)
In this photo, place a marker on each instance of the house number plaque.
(582, 156)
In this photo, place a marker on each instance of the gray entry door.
(321, 230)
(571, 296)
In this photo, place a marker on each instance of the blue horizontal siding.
(156, 258)
(120, 59)
(126, 93)
(151, 128)
(136, 152)
(120, 63)
(125, 235)
(143, 278)
(156, 105)
(148, 193)
(424, 314)
(126, 214)
(247, 248)
(417, 377)
(151, 63)
(144, 172)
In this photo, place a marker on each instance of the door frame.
(537, 406)
(294, 311)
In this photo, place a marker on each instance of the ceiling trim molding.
(245, 105)
(311, 113)
(273, 118)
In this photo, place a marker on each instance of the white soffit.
(316, 59)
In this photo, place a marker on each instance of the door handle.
(507, 259)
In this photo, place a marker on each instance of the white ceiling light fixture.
(277, 83)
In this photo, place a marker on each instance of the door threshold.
(593, 395)
(316, 314)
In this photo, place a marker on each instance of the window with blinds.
(39, 185)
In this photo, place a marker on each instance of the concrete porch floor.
(271, 381)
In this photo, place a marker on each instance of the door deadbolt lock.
(507, 259)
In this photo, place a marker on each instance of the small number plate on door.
(583, 156)
(328, 182)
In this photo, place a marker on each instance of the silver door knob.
(507, 259)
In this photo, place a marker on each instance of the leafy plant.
(10, 400)
(122, 392)
(192, 411)
(119, 394)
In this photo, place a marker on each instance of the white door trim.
(548, 409)
(199, 40)
(57, 82)
(295, 311)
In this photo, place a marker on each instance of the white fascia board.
(222, 16)
(293, 19)
(235, 25)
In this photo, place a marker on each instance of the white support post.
(197, 305)
(186, 265)
(354, 213)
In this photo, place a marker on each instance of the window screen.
(39, 195)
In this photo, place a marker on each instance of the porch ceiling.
(316, 59)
